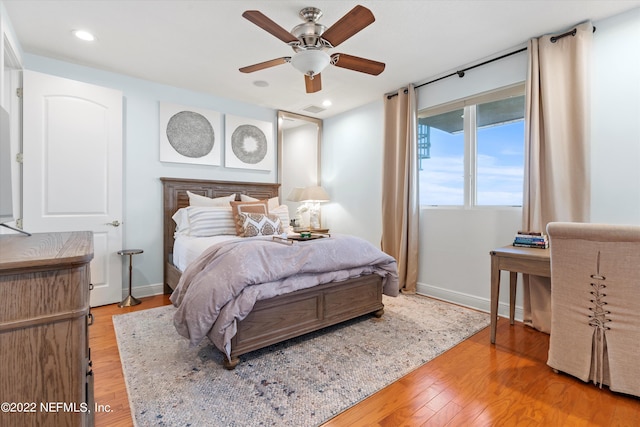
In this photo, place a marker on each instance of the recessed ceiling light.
(84, 35)
(260, 83)
(326, 103)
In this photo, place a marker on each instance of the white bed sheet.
(188, 248)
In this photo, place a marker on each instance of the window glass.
(471, 153)
(500, 152)
(441, 158)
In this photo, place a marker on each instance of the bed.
(281, 317)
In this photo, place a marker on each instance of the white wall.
(351, 172)
(142, 168)
(615, 130)
(455, 243)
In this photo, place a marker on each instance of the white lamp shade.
(295, 195)
(315, 194)
(310, 62)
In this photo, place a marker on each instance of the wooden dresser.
(45, 363)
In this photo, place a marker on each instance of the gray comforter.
(223, 284)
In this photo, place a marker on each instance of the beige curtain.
(400, 210)
(557, 186)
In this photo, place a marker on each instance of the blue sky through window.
(500, 164)
(500, 167)
(442, 175)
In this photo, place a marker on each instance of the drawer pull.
(89, 319)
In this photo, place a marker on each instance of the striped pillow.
(210, 221)
(257, 224)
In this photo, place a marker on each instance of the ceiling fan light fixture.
(310, 62)
(310, 40)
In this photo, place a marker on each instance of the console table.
(528, 261)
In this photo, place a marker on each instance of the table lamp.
(313, 196)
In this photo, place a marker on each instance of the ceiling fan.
(310, 40)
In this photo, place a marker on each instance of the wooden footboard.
(295, 314)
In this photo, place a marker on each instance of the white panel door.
(73, 169)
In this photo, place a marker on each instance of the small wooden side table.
(528, 261)
(130, 299)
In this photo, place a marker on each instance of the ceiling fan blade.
(265, 64)
(313, 84)
(264, 22)
(356, 63)
(354, 21)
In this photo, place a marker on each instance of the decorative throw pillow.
(256, 224)
(238, 208)
(198, 200)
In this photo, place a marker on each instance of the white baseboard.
(467, 300)
(144, 291)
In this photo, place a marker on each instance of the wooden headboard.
(174, 197)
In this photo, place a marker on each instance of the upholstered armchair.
(595, 303)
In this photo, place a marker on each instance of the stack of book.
(531, 239)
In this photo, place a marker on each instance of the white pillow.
(283, 213)
(272, 203)
(198, 200)
(205, 221)
(181, 218)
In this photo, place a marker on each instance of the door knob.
(114, 223)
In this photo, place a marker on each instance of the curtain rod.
(568, 33)
(460, 73)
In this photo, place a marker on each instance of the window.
(471, 153)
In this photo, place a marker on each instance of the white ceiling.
(200, 45)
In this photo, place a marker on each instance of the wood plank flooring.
(473, 384)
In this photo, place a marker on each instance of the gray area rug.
(302, 382)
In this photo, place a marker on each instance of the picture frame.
(249, 143)
(190, 135)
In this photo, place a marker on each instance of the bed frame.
(282, 317)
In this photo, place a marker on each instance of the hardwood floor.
(110, 391)
(473, 384)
